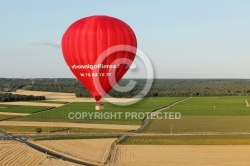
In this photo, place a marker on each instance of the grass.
(23, 109)
(214, 106)
(32, 129)
(60, 114)
(188, 140)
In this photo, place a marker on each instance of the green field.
(188, 140)
(61, 113)
(192, 124)
(206, 114)
(22, 109)
(218, 106)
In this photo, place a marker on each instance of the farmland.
(22, 109)
(33, 103)
(188, 140)
(14, 153)
(6, 117)
(206, 114)
(139, 155)
(71, 125)
(205, 121)
(215, 106)
(60, 114)
(31, 130)
(200, 124)
(94, 151)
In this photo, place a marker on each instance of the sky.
(182, 38)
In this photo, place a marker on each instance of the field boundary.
(145, 121)
(112, 152)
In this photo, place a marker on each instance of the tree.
(39, 130)
(155, 94)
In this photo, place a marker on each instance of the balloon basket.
(99, 106)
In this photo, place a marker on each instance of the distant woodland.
(160, 87)
(9, 97)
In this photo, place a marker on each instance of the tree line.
(9, 97)
(160, 87)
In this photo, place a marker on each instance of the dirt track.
(76, 125)
(184, 155)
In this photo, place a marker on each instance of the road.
(24, 140)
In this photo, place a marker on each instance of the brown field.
(94, 151)
(14, 114)
(25, 103)
(14, 153)
(55, 96)
(187, 155)
(49, 95)
(73, 125)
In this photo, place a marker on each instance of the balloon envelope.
(89, 49)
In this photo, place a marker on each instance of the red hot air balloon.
(99, 51)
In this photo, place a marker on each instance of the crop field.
(22, 109)
(216, 106)
(61, 114)
(200, 124)
(15, 153)
(206, 114)
(188, 140)
(154, 155)
(95, 151)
